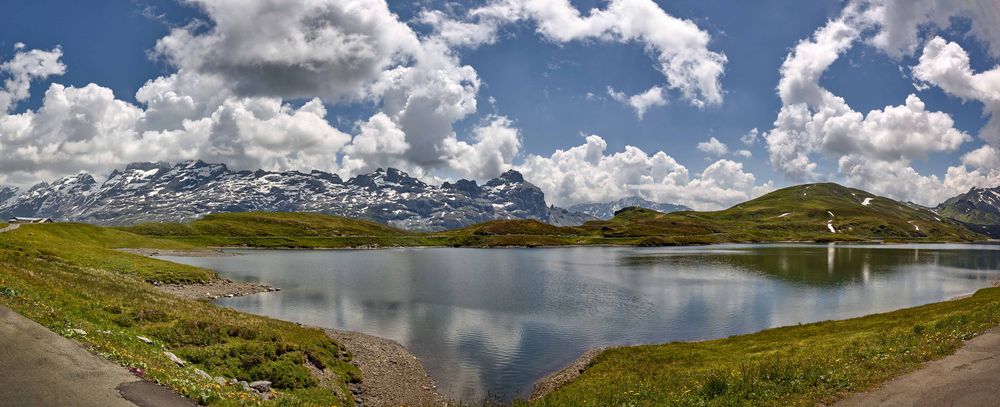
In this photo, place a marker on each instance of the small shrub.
(8, 292)
(715, 386)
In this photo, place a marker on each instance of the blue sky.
(541, 86)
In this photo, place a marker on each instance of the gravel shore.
(215, 289)
(392, 376)
(553, 381)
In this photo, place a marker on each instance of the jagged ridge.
(159, 192)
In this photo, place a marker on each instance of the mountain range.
(978, 209)
(148, 192)
(606, 210)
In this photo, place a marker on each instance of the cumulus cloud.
(293, 49)
(25, 67)
(873, 150)
(750, 138)
(679, 46)
(900, 22)
(713, 146)
(946, 65)
(640, 102)
(586, 173)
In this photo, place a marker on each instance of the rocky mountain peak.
(159, 192)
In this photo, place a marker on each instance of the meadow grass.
(66, 276)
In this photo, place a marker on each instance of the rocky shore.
(392, 376)
(555, 380)
(211, 290)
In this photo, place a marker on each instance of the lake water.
(489, 322)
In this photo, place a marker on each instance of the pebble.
(78, 331)
(145, 340)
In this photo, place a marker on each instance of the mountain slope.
(812, 212)
(978, 209)
(159, 192)
(606, 210)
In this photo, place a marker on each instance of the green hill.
(278, 229)
(811, 212)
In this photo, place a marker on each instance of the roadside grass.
(65, 277)
(797, 365)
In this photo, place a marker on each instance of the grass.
(65, 276)
(797, 365)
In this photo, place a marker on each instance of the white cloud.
(946, 65)
(743, 153)
(713, 146)
(640, 102)
(679, 46)
(24, 67)
(874, 150)
(750, 138)
(293, 49)
(900, 22)
(586, 174)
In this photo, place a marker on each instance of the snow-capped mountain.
(160, 192)
(606, 210)
(978, 209)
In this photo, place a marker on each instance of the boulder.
(262, 386)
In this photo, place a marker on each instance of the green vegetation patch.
(798, 365)
(65, 277)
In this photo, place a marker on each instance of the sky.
(702, 103)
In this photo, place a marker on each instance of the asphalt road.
(41, 368)
(969, 378)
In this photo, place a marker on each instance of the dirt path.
(970, 377)
(40, 368)
(10, 228)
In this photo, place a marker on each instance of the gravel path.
(970, 377)
(42, 368)
(9, 228)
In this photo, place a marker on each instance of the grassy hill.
(813, 212)
(279, 229)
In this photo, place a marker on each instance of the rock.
(145, 340)
(229, 296)
(77, 331)
(202, 374)
(220, 380)
(246, 386)
(262, 386)
(175, 359)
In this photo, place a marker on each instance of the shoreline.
(391, 374)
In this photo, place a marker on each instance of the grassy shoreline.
(794, 365)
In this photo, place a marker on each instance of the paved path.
(969, 378)
(41, 368)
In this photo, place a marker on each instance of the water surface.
(489, 322)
